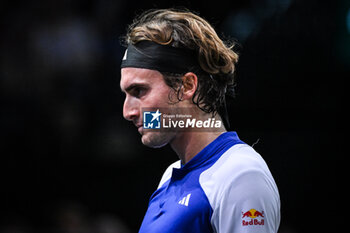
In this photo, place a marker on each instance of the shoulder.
(167, 174)
(239, 159)
(240, 168)
(238, 182)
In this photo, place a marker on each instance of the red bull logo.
(254, 217)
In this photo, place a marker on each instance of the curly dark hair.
(184, 29)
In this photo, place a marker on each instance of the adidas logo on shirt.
(184, 201)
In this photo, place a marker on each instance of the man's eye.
(138, 92)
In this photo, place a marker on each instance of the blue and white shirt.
(226, 188)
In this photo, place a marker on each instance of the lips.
(139, 128)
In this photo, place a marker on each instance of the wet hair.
(184, 29)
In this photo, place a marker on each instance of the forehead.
(131, 76)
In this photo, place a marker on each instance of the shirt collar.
(212, 151)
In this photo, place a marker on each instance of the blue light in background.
(348, 21)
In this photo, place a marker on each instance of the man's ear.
(189, 85)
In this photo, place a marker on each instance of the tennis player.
(175, 60)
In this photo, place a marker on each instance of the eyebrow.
(132, 86)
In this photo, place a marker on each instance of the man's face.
(145, 88)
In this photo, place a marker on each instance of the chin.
(156, 139)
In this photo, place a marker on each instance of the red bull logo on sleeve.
(254, 216)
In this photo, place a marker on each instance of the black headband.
(164, 58)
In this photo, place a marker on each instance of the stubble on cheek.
(159, 100)
(156, 139)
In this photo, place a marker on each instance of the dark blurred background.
(71, 163)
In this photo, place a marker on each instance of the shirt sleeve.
(248, 204)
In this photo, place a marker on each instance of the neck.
(189, 144)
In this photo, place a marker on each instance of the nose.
(130, 109)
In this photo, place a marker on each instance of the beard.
(156, 139)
